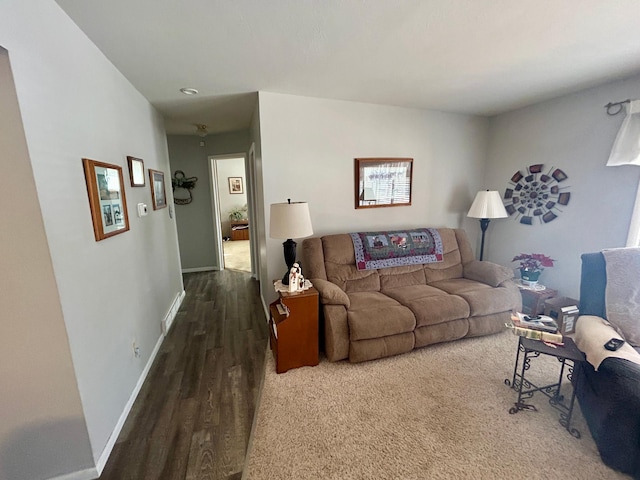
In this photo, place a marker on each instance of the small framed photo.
(158, 192)
(235, 185)
(136, 171)
(107, 201)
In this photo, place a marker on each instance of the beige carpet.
(237, 255)
(436, 413)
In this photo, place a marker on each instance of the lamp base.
(484, 223)
(289, 258)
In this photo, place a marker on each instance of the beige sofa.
(377, 313)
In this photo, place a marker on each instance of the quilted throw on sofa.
(392, 249)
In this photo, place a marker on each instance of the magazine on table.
(542, 323)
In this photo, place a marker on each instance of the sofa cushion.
(451, 265)
(481, 298)
(313, 258)
(430, 305)
(442, 332)
(338, 249)
(372, 348)
(352, 280)
(373, 315)
(401, 276)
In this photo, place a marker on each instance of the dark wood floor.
(193, 416)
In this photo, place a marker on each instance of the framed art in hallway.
(107, 201)
(158, 192)
(136, 171)
(235, 185)
(383, 182)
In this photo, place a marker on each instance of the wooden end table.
(532, 349)
(533, 300)
(294, 337)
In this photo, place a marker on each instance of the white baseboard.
(86, 474)
(102, 461)
(199, 269)
(173, 311)
(266, 309)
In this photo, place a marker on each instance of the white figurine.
(301, 283)
(294, 276)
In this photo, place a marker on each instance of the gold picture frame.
(107, 199)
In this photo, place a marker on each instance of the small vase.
(529, 277)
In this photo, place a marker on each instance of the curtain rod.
(611, 110)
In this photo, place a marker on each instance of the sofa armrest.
(626, 376)
(330, 293)
(487, 272)
(592, 333)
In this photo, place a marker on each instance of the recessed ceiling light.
(189, 91)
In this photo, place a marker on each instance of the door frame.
(215, 205)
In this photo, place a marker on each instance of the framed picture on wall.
(107, 201)
(235, 185)
(136, 171)
(158, 192)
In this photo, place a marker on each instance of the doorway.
(229, 181)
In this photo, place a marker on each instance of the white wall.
(75, 104)
(195, 220)
(308, 151)
(257, 214)
(39, 397)
(230, 167)
(573, 133)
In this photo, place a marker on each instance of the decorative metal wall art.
(536, 195)
(182, 187)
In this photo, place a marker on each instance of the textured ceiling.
(474, 56)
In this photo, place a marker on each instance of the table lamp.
(487, 205)
(288, 221)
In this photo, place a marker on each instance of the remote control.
(614, 344)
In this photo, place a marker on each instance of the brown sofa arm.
(487, 272)
(330, 293)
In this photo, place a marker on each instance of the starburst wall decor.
(536, 196)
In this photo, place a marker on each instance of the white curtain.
(626, 151)
(626, 148)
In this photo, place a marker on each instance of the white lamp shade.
(290, 220)
(487, 204)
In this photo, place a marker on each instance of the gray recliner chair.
(609, 396)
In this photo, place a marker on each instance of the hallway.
(237, 255)
(193, 416)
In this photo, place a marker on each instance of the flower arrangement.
(533, 261)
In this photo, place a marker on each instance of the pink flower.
(533, 261)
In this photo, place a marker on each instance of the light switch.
(142, 209)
